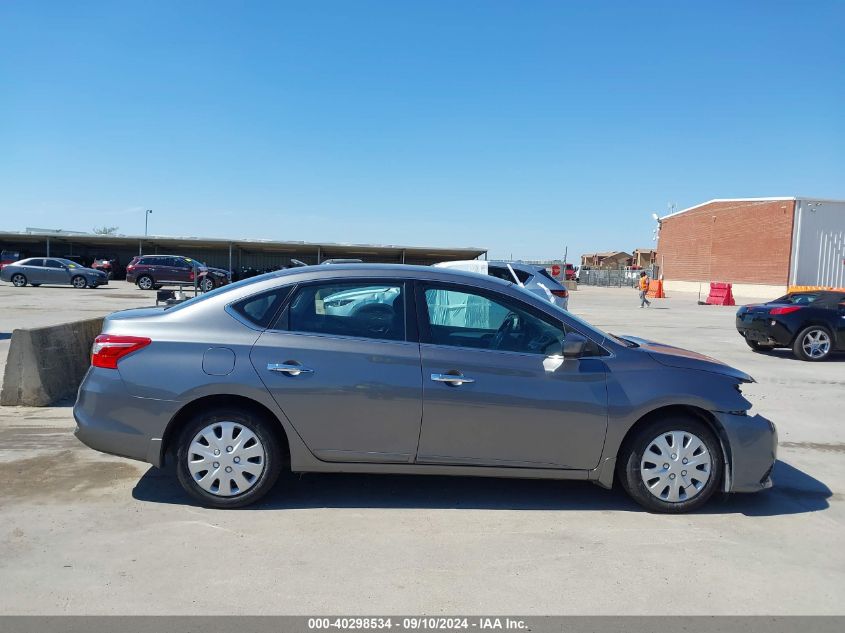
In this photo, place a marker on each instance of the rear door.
(343, 363)
(492, 394)
(35, 271)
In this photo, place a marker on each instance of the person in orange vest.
(644, 290)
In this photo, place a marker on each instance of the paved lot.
(84, 533)
(50, 305)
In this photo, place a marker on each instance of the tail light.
(110, 348)
(784, 310)
(563, 294)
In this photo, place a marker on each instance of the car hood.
(686, 359)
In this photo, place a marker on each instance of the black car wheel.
(813, 343)
(759, 347)
(145, 282)
(228, 458)
(18, 280)
(79, 282)
(671, 465)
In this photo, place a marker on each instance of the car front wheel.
(672, 465)
(145, 282)
(18, 280)
(813, 343)
(79, 282)
(228, 458)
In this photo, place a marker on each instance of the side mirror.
(574, 345)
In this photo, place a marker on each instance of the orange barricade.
(655, 290)
(721, 295)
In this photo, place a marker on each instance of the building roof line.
(769, 199)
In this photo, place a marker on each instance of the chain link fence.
(609, 278)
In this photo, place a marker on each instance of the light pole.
(146, 226)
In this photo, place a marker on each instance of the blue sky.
(522, 126)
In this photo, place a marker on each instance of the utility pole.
(146, 226)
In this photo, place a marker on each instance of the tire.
(759, 347)
(200, 477)
(813, 343)
(660, 493)
(79, 282)
(145, 282)
(207, 285)
(18, 280)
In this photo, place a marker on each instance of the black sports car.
(811, 323)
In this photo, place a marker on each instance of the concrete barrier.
(47, 364)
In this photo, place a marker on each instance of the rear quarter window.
(261, 309)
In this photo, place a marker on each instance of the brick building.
(761, 245)
(607, 259)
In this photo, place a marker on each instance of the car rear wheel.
(228, 458)
(207, 285)
(18, 280)
(813, 343)
(759, 347)
(145, 282)
(79, 282)
(672, 465)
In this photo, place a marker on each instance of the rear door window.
(363, 309)
(502, 272)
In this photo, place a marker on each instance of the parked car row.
(36, 271)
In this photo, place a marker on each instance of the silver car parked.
(52, 270)
(532, 278)
(404, 369)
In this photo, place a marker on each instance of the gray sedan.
(52, 270)
(404, 369)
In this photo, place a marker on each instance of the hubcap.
(79, 282)
(145, 283)
(226, 459)
(816, 343)
(675, 466)
(18, 280)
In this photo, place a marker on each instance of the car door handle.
(452, 379)
(291, 369)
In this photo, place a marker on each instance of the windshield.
(67, 262)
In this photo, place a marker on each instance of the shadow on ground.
(787, 354)
(795, 492)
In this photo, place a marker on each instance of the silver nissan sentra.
(405, 369)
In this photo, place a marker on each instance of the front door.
(55, 272)
(340, 367)
(494, 392)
